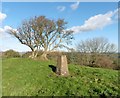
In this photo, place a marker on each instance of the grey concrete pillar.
(62, 66)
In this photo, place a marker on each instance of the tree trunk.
(44, 56)
(32, 55)
(36, 54)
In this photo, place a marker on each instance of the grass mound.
(25, 77)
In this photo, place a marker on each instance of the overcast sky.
(87, 20)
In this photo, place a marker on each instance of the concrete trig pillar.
(62, 66)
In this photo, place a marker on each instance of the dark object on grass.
(53, 68)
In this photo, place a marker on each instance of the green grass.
(25, 77)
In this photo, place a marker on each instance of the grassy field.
(23, 77)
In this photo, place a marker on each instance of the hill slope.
(23, 77)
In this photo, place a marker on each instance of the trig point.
(62, 66)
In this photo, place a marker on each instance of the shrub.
(104, 62)
(27, 54)
(73, 57)
(116, 63)
(50, 56)
(54, 55)
(86, 59)
(11, 53)
(93, 60)
(39, 53)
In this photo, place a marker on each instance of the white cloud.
(117, 14)
(75, 5)
(95, 22)
(4, 31)
(61, 8)
(1, 30)
(2, 16)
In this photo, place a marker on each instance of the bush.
(72, 57)
(27, 54)
(50, 56)
(93, 60)
(11, 53)
(116, 63)
(104, 62)
(86, 59)
(53, 55)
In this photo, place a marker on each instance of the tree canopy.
(96, 45)
(41, 33)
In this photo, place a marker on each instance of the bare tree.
(52, 34)
(92, 49)
(42, 33)
(26, 35)
(96, 45)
